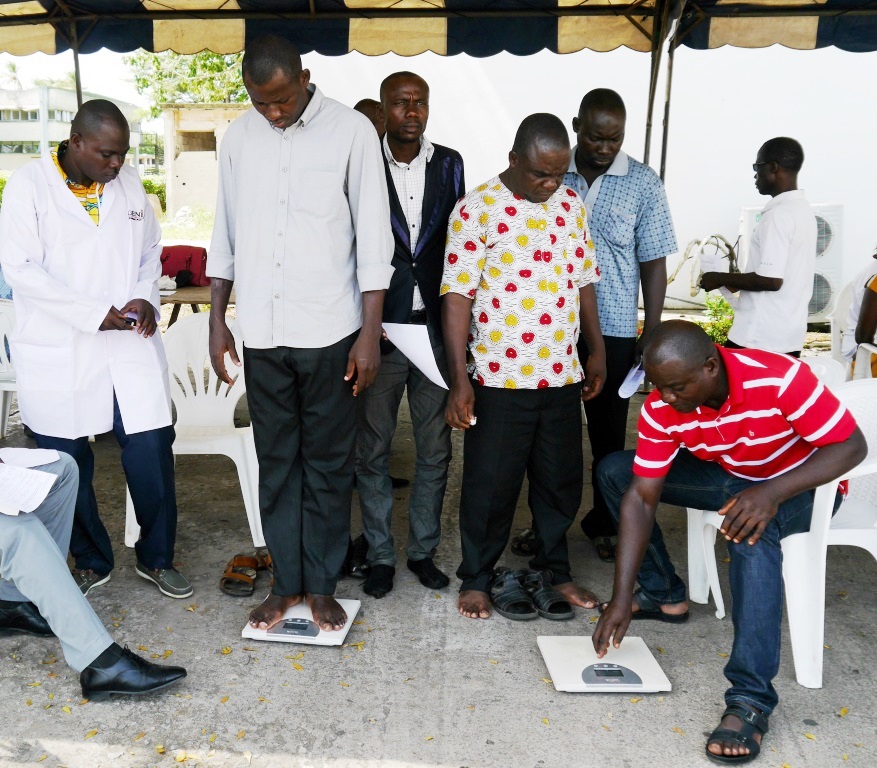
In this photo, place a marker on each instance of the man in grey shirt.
(303, 232)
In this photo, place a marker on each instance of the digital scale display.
(296, 628)
(609, 675)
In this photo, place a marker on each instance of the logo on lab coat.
(135, 215)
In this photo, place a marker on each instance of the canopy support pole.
(659, 34)
(671, 54)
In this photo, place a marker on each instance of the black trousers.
(304, 425)
(607, 425)
(532, 431)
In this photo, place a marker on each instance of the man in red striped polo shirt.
(750, 434)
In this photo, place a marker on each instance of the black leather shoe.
(25, 618)
(128, 674)
(358, 558)
(430, 576)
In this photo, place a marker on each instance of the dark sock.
(107, 658)
(379, 581)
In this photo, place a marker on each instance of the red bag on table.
(190, 258)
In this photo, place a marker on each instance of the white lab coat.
(65, 274)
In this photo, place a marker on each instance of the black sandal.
(524, 544)
(754, 722)
(509, 597)
(548, 601)
(605, 546)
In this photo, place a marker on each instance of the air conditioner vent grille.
(824, 235)
(821, 299)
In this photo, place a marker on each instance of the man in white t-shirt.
(775, 291)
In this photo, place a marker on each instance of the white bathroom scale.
(297, 626)
(574, 667)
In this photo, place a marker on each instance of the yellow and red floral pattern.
(522, 264)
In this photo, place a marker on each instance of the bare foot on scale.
(328, 615)
(271, 611)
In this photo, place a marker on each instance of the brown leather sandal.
(239, 579)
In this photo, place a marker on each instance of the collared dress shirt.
(410, 182)
(630, 223)
(523, 265)
(302, 224)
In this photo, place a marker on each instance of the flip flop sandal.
(649, 610)
(509, 597)
(753, 722)
(524, 544)
(239, 579)
(549, 602)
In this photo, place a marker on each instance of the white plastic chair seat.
(205, 416)
(804, 554)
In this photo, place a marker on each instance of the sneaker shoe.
(169, 581)
(87, 579)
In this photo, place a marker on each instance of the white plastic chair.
(828, 370)
(863, 361)
(8, 383)
(205, 414)
(703, 525)
(838, 320)
(804, 554)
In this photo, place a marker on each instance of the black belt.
(418, 317)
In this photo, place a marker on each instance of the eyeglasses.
(755, 166)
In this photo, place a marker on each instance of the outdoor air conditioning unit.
(829, 256)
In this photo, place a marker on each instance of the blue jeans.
(376, 422)
(148, 461)
(756, 572)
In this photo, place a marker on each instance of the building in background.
(34, 120)
(192, 135)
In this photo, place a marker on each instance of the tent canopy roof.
(447, 27)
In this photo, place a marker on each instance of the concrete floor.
(416, 685)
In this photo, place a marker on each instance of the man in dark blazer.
(424, 182)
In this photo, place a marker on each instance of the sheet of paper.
(632, 382)
(413, 342)
(28, 457)
(23, 490)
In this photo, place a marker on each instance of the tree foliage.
(200, 78)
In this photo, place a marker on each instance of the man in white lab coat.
(81, 250)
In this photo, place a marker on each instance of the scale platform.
(298, 626)
(574, 667)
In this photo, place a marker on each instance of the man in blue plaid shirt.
(633, 233)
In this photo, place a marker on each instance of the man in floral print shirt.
(519, 267)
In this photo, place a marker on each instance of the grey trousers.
(376, 421)
(33, 567)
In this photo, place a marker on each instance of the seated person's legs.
(31, 556)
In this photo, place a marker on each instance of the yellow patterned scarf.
(89, 197)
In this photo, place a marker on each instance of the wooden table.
(191, 295)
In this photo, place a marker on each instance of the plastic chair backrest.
(828, 370)
(838, 320)
(200, 398)
(7, 324)
(859, 397)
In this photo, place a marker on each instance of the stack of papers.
(23, 489)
